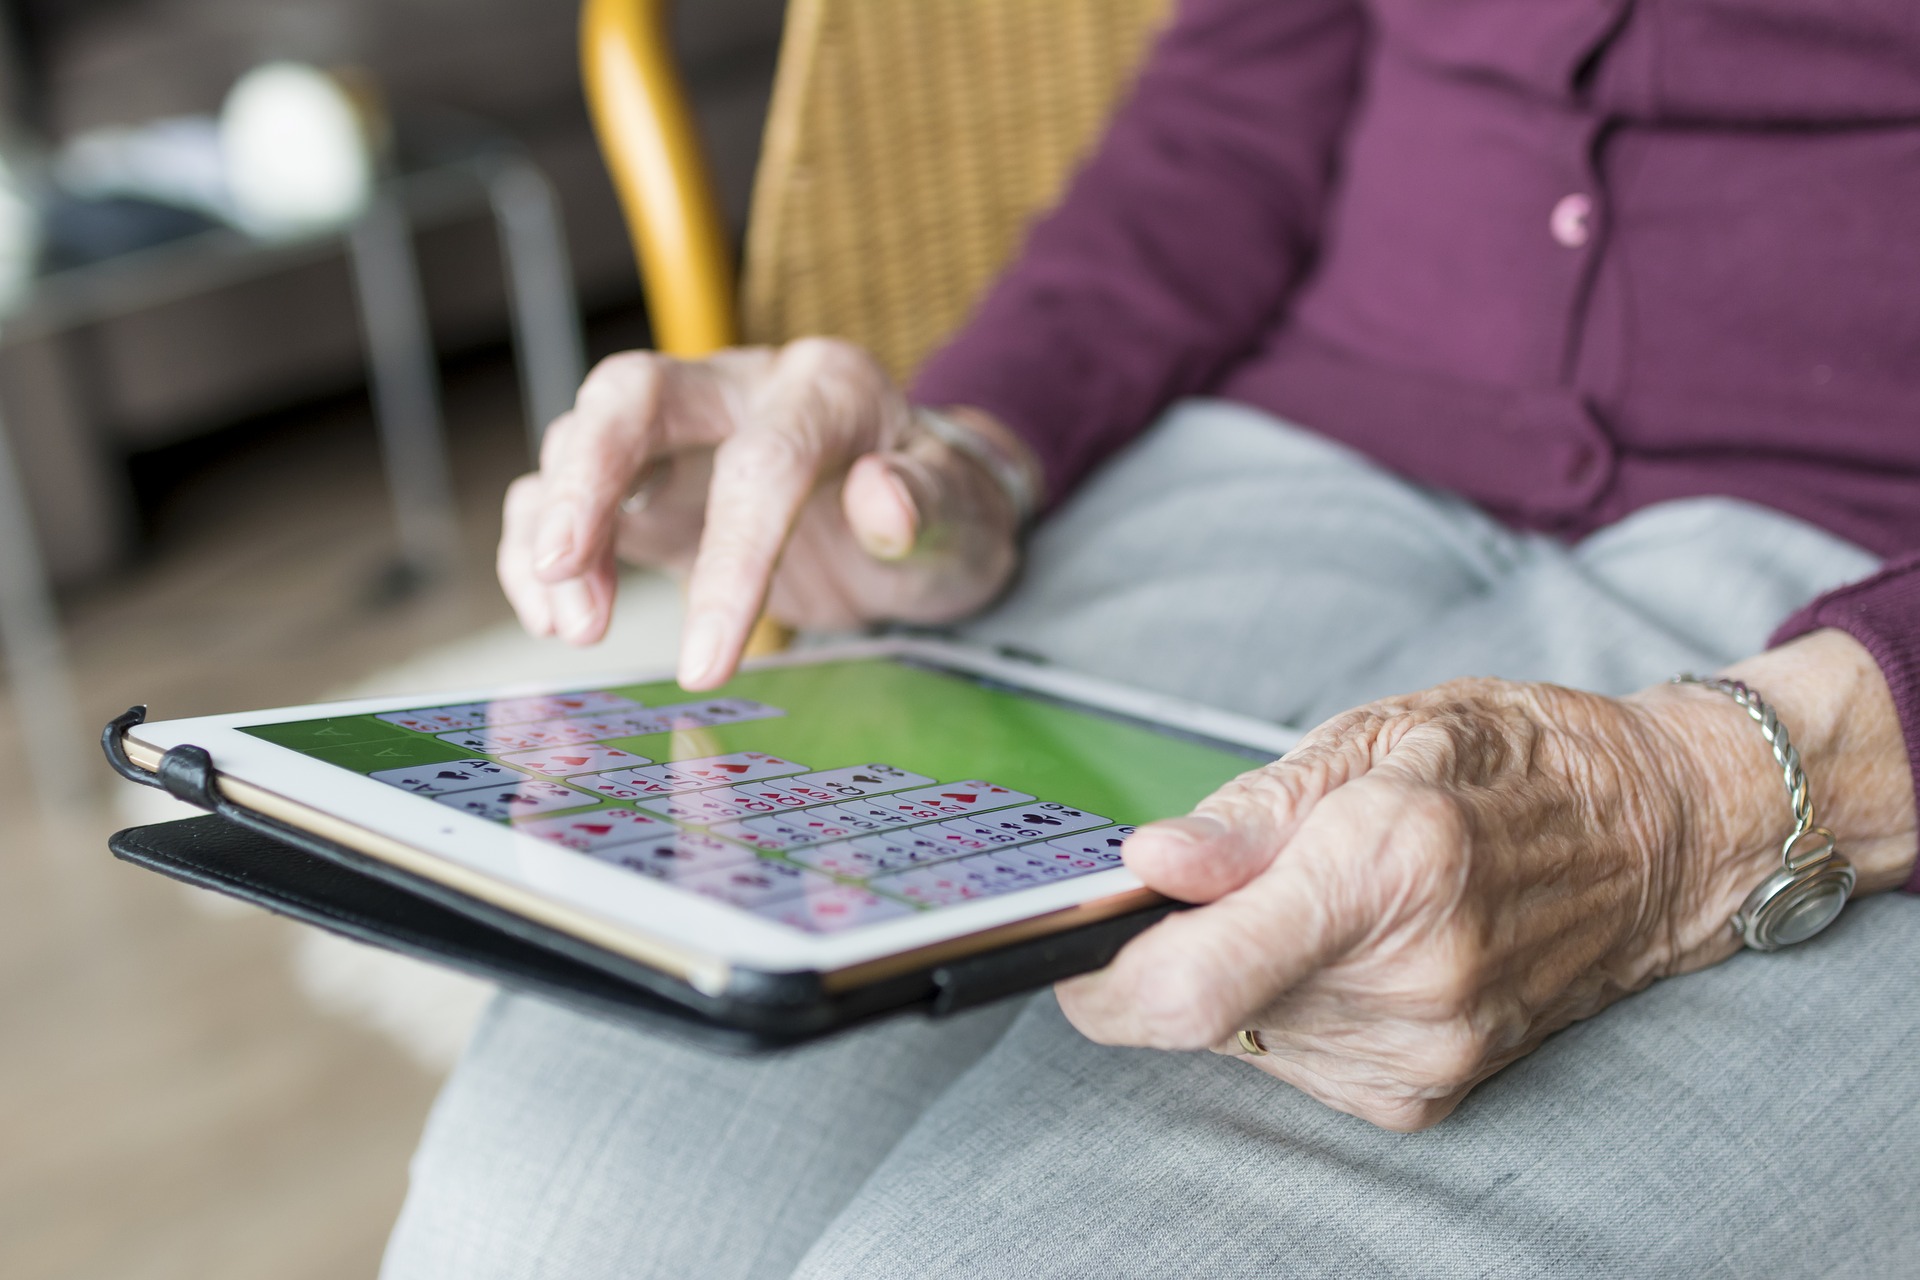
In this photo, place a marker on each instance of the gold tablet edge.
(705, 973)
(1082, 913)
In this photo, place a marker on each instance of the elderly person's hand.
(796, 479)
(1428, 886)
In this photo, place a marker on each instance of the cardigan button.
(1572, 221)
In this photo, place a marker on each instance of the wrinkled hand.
(794, 479)
(1428, 886)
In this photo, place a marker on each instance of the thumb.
(927, 494)
(1237, 832)
(881, 507)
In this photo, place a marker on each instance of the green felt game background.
(876, 710)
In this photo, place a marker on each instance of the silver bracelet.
(1814, 880)
(1006, 472)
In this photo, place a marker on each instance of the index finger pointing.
(761, 479)
(820, 408)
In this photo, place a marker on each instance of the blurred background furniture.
(30, 645)
(140, 350)
(908, 143)
(84, 392)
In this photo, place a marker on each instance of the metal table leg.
(405, 381)
(547, 340)
(30, 636)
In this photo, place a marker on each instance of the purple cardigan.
(1564, 257)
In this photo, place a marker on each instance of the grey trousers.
(1759, 1119)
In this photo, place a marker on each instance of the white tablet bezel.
(691, 937)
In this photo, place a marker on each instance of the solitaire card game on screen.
(820, 797)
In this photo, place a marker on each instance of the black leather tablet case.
(294, 873)
(213, 853)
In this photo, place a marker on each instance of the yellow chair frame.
(647, 133)
(907, 143)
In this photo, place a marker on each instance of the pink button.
(1572, 220)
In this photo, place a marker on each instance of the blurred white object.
(297, 149)
(19, 240)
(175, 161)
(291, 154)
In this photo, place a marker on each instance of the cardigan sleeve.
(1177, 241)
(1883, 613)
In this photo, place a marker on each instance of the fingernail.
(556, 538)
(700, 651)
(895, 543)
(1194, 829)
(573, 608)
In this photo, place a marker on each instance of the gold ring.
(1250, 1041)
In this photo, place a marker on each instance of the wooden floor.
(170, 1105)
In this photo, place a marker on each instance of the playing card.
(696, 806)
(806, 793)
(956, 836)
(587, 757)
(849, 816)
(498, 804)
(1103, 845)
(1045, 819)
(677, 857)
(601, 829)
(1002, 877)
(524, 710)
(841, 858)
(871, 815)
(903, 849)
(439, 779)
(437, 719)
(855, 781)
(956, 799)
(619, 724)
(623, 784)
(720, 771)
(904, 810)
(775, 840)
(830, 910)
(817, 825)
(1071, 861)
(499, 740)
(791, 830)
(713, 711)
(991, 833)
(752, 884)
(586, 702)
(776, 797)
(1034, 864)
(946, 883)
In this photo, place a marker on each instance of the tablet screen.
(822, 796)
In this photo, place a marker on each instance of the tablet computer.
(810, 845)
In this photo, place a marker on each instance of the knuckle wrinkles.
(755, 457)
(824, 357)
(620, 375)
